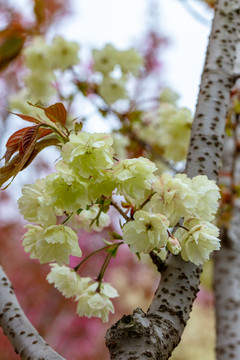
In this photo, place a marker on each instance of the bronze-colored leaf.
(39, 11)
(40, 145)
(56, 112)
(27, 117)
(20, 140)
(11, 43)
(27, 138)
(28, 149)
(13, 143)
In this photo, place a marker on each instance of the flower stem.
(95, 252)
(114, 204)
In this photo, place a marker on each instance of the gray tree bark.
(227, 261)
(23, 336)
(155, 334)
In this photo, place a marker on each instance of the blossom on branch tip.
(96, 302)
(173, 245)
(112, 89)
(146, 232)
(174, 197)
(105, 59)
(208, 194)
(101, 185)
(67, 194)
(54, 243)
(134, 178)
(63, 53)
(130, 61)
(65, 279)
(34, 206)
(37, 55)
(199, 242)
(168, 96)
(93, 298)
(88, 154)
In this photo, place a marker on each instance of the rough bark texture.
(23, 336)
(154, 335)
(227, 263)
(227, 292)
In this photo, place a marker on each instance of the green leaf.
(115, 235)
(78, 127)
(113, 250)
(139, 256)
(107, 242)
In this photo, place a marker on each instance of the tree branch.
(155, 335)
(227, 261)
(23, 336)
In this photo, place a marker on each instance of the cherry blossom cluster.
(42, 60)
(161, 214)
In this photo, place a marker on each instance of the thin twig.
(114, 204)
(194, 13)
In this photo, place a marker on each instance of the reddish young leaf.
(29, 134)
(40, 145)
(19, 162)
(20, 140)
(56, 112)
(13, 142)
(26, 139)
(27, 118)
(39, 11)
(7, 171)
(11, 43)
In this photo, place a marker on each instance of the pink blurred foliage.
(205, 297)
(54, 316)
(151, 47)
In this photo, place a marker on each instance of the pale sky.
(97, 22)
(121, 22)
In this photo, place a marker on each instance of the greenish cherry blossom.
(54, 243)
(168, 129)
(130, 61)
(134, 178)
(34, 204)
(105, 59)
(66, 195)
(168, 96)
(173, 245)
(174, 131)
(173, 197)
(112, 89)
(120, 143)
(88, 154)
(146, 232)
(199, 242)
(96, 303)
(37, 55)
(208, 195)
(65, 279)
(101, 185)
(63, 53)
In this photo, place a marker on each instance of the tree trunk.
(23, 336)
(154, 335)
(227, 261)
